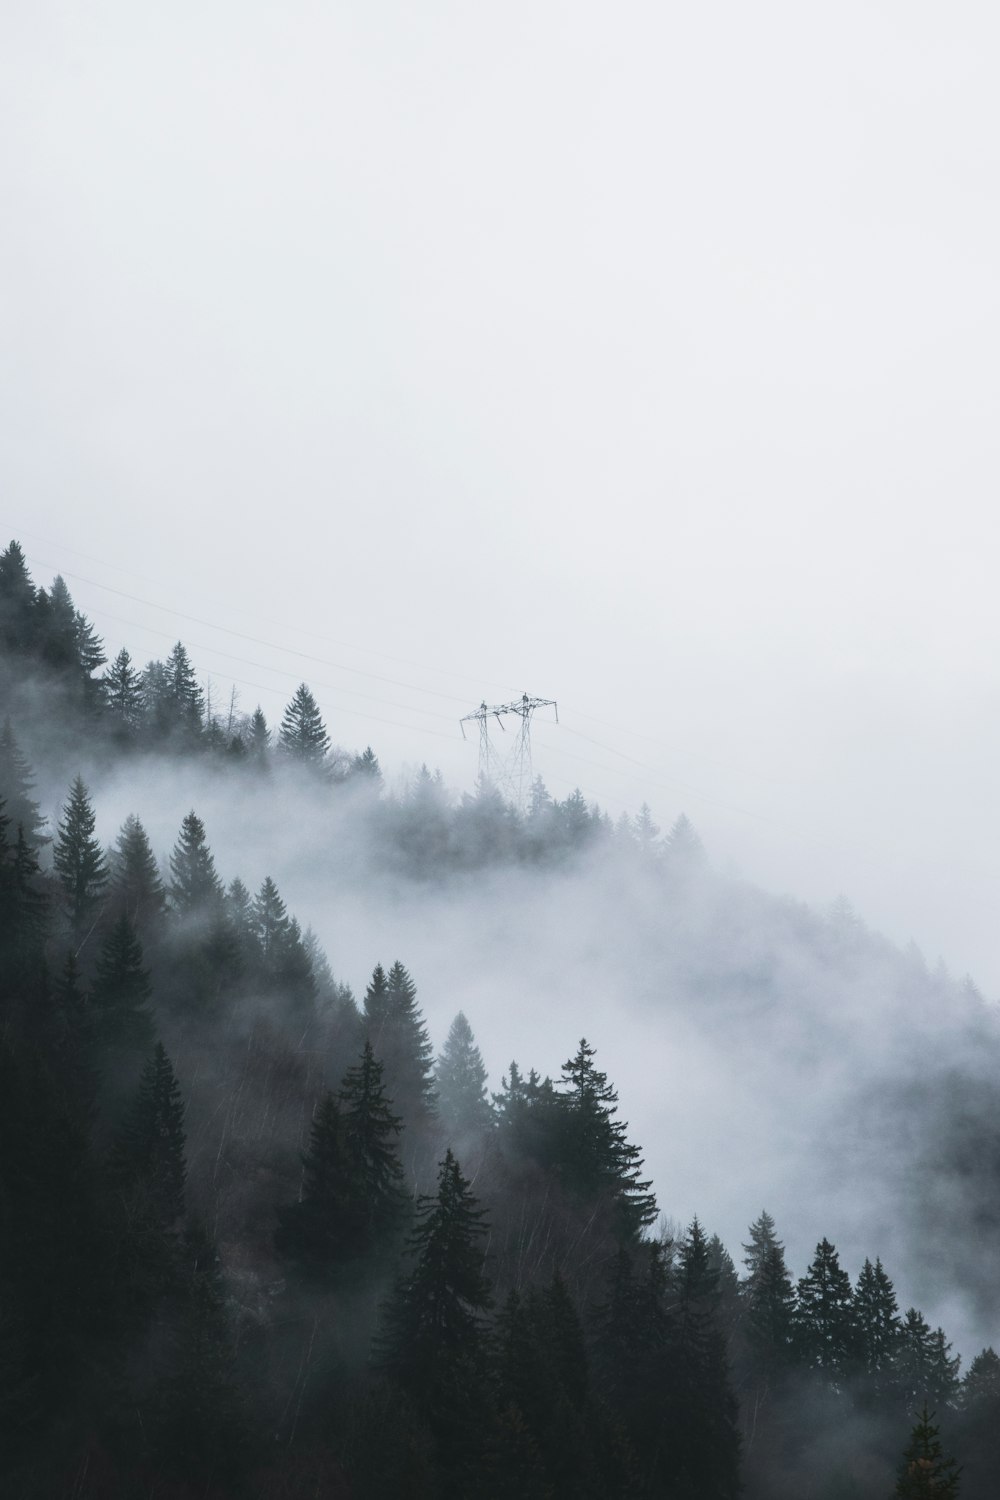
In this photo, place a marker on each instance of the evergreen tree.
(121, 992)
(396, 1030)
(366, 767)
(460, 1084)
(434, 1335)
(80, 863)
(17, 601)
(121, 689)
(148, 1152)
(243, 922)
(317, 1232)
(184, 696)
(685, 850)
(16, 785)
(259, 739)
(825, 1319)
(136, 888)
(370, 1132)
(768, 1297)
(923, 1369)
(877, 1325)
(596, 1159)
(302, 735)
(195, 888)
(924, 1471)
(271, 922)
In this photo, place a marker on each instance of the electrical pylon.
(508, 771)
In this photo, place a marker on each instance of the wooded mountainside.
(258, 1238)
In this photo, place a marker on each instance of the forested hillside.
(266, 1231)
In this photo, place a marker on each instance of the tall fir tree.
(16, 785)
(185, 697)
(121, 692)
(395, 1027)
(925, 1473)
(302, 736)
(18, 602)
(316, 1233)
(460, 1085)
(148, 1152)
(121, 992)
(195, 887)
(136, 888)
(371, 1135)
(825, 1325)
(768, 1298)
(80, 864)
(596, 1159)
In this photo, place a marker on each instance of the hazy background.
(642, 357)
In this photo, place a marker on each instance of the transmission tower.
(509, 769)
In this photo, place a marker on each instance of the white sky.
(640, 356)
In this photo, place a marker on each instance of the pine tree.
(768, 1297)
(434, 1335)
(243, 921)
(271, 923)
(259, 746)
(924, 1471)
(596, 1158)
(366, 767)
(398, 1035)
(825, 1319)
(121, 690)
(371, 1131)
(316, 1232)
(184, 696)
(149, 1148)
(80, 863)
(136, 888)
(877, 1325)
(16, 785)
(121, 992)
(923, 1369)
(302, 735)
(460, 1084)
(17, 601)
(195, 888)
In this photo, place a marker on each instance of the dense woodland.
(257, 1239)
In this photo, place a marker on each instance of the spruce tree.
(460, 1085)
(925, 1473)
(596, 1159)
(877, 1326)
(18, 607)
(259, 739)
(136, 888)
(434, 1334)
(148, 1152)
(184, 696)
(80, 863)
(271, 922)
(121, 690)
(195, 887)
(317, 1232)
(16, 785)
(371, 1132)
(302, 736)
(121, 992)
(396, 1030)
(768, 1298)
(825, 1318)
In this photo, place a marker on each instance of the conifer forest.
(266, 1233)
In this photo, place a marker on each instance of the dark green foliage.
(136, 888)
(147, 1160)
(316, 1232)
(371, 1132)
(460, 1085)
(302, 736)
(923, 1368)
(768, 1298)
(185, 701)
(925, 1471)
(121, 992)
(17, 601)
(195, 888)
(876, 1326)
(121, 691)
(825, 1328)
(396, 1030)
(434, 1326)
(80, 864)
(16, 785)
(596, 1160)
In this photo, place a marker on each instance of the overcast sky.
(639, 356)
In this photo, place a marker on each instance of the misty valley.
(359, 1138)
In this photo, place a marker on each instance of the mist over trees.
(259, 1237)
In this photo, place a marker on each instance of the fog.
(766, 1054)
(641, 361)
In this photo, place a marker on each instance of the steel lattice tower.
(509, 772)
